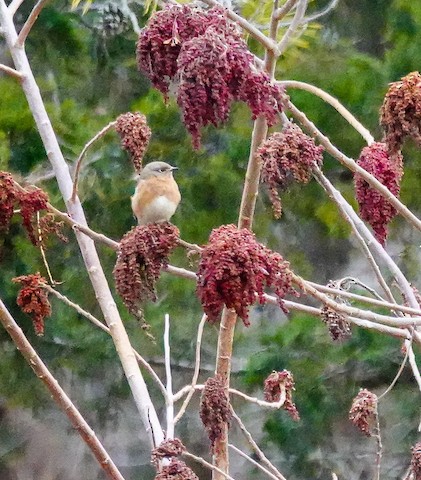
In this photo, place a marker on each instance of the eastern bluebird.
(157, 195)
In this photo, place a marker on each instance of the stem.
(14, 5)
(99, 135)
(29, 23)
(196, 370)
(282, 11)
(58, 394)
(203, 462)
(255, 447)
(90, 256)
(169, 398)
(296, 22)
(11, 71)
(334, 103)
(256, 464)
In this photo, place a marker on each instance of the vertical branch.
(58, 394)
(90, 256)
(245, 220)
(169, 398)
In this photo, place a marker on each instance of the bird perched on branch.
(157, 195)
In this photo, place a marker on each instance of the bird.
(157, 196)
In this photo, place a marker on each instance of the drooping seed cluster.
(416, 461)
(176, 470)
(135, 135)
(337, 323)
(235, 269)
(276, 384)
(374, 208)
(287, 156)
(400, 114)
(33, 299)
(215, 409)
(143, 252)
(202, 54)
(28, 203)
(363, 413)
(167, 449)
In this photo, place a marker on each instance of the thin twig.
(256, 464)
(361, 298)
(398, 374)
(203, 462)
(262, 403)
(262, 457)
(346, 114)
(282, 11)
(99, 135)
(296, 22)
(169, 399)
(58, 394)
(329, 7)
(30, 22)
(42, 250)
(11, 71)
(414, 366)
(265, 41)
(379, 450)
(196, 370)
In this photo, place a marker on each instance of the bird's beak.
(174, 168)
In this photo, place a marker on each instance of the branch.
(256, 464)
(29, 23)
(255, 447)
(282, 11)
(169, 401)
(296, 22)
(11, 71)
(262, 403)
(14, 5)
(265, 41)
(196, 370)
(352, 165)
(58, 394)
(203, 462)
(334, 103)
(99, 135)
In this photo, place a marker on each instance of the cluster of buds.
(33, 300)
(167, 449)
(287, 156)
(363, 413)
(143, 252)
(234, 270)
(209, 63)
(135, 135)
(279, 384)
(29, 203)
(374, 208)
(400, 114)
(215, 409)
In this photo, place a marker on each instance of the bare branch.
(196, 370)
(296, 22)
(203, 462)
(256, 464)
(30, 22)
(169, 401)
(282, 11)
(99, 135)
(265, 41)
(58, 394)
(334, 103)
(11, 71)
(262, 457)
(14, 5)
(262, 403)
